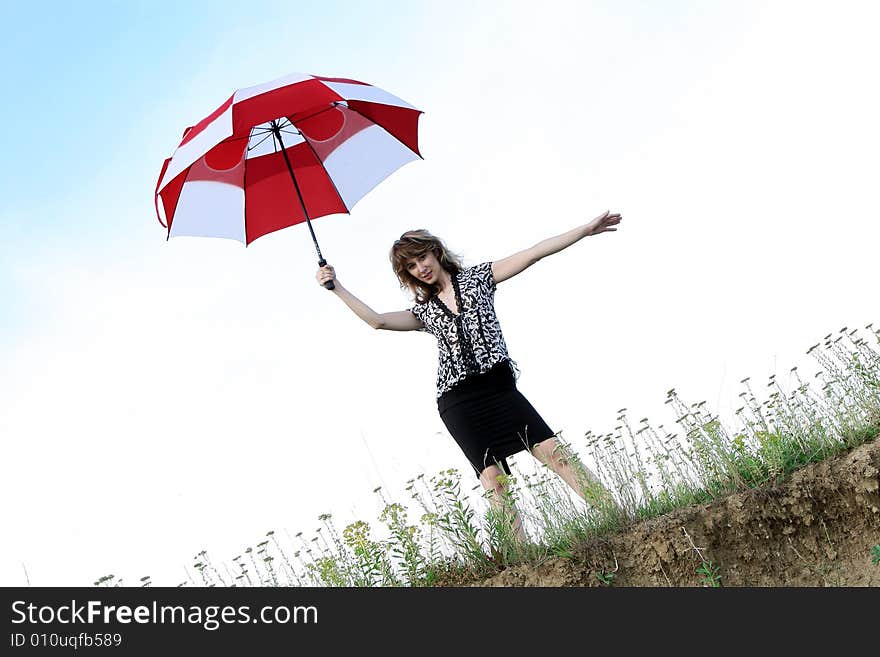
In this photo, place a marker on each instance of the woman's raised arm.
(401, 320)
(513, 265)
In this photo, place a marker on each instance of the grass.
(649, 470)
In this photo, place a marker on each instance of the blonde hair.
(412, 244)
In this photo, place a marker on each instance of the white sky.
(173, 397)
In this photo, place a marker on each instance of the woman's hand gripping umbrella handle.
(329, 282)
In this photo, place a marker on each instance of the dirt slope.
(816, 528)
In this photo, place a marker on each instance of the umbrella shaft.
(276, 131)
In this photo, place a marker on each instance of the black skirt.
(490, 419)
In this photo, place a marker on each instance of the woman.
(476, 379)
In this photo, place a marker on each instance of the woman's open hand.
(604, 222)
(325, 273)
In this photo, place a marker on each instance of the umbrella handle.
(329, 284)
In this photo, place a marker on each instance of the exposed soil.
(816, 528)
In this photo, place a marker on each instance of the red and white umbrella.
(239, 171)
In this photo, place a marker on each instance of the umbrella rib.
(269, 134)
(250, 148)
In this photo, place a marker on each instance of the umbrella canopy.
(280, 153)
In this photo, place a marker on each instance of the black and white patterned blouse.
(470, 342)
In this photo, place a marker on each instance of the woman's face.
(425, 267)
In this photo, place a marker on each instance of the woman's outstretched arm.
(512, 265)
(401, 320)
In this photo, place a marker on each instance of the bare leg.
(559, 458)
(491, 480)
